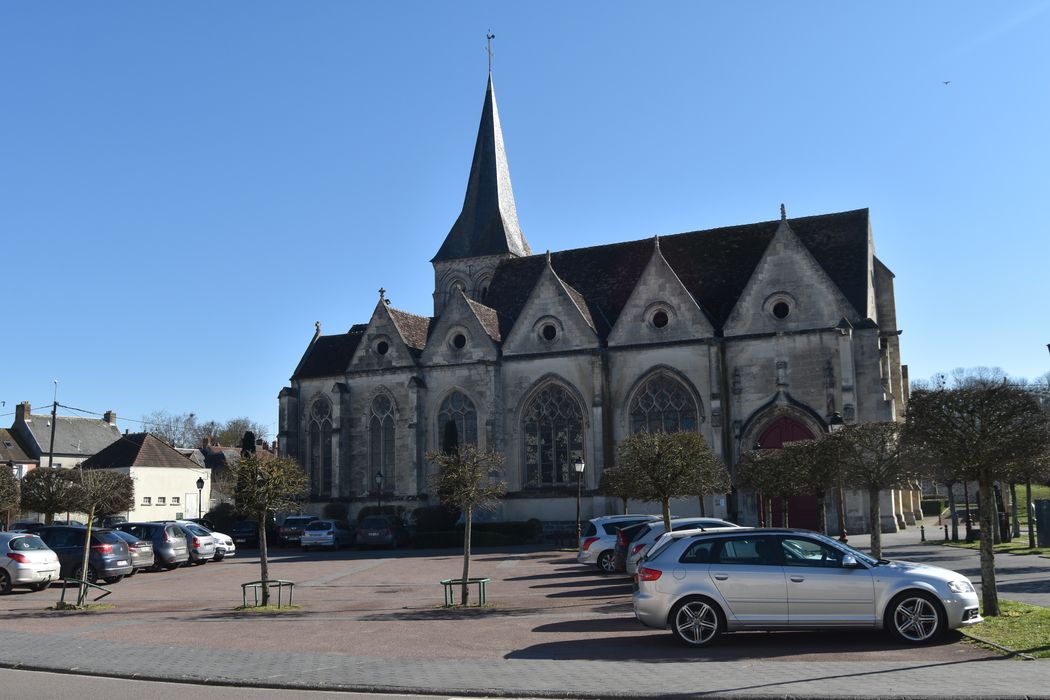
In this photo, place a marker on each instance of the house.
(76, 438)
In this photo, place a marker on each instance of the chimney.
(23, 412)
(110, 417)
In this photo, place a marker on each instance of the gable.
(660, 309)
(329, 355)
(382, 344)
(459, 335)
(788, 291)
(555, 318)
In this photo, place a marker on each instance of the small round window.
(549, 332)
(781, 310)
(660, 319)
(459, 341)
(382, 347)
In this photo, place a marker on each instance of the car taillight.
(647, 574)
(102, 548)
(196, 543)
(588, 542)
(637, 548)
(20, 558)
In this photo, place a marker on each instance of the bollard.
(922, 533)
(946, 532)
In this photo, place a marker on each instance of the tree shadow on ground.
(597, 591)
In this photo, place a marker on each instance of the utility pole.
(54, 416)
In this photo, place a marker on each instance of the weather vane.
(489, 36)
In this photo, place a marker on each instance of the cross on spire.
(382, 293)
(489, 36)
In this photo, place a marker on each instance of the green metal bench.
(450, 595)
(257, 586)
(82, 590)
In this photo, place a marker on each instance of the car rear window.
(22, 544)
(172, 531)
(613, 528)
(197, 530)
(319, 525)
(375, 523)
(105, 537)
(590, 530)
(297, 520)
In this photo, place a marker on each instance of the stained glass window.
(553, 427)
(663, 405)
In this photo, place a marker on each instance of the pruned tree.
(672, 465)
(264, 486)
(619, 482)
(99, 492)
(874, 458)
(468, 478)
(768, 473)
(48, 491)
(985, 428)
(818, 468)
(10, 494)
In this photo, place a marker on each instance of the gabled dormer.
(555, 318)
(466, 331)
(487, 229)
(787, 291)
(660, 308)
(392, 338)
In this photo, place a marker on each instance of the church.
(752, 335)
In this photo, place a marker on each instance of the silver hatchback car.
(703, 583)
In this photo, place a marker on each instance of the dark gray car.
(169, 544)
(108, 556)
(141, 550)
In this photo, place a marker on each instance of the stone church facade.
(751, 335)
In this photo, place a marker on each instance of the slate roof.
(488, 223)
(329, 355)
(714, 265)
(487, 317)
(139, 450)
(10, 450)
(413, 329)
(73, 435)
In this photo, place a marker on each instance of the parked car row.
(309, 532)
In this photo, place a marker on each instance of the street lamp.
(379, 491)
(835, 424)
(579, 466)
(200, 496)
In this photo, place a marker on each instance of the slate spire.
(488, 224)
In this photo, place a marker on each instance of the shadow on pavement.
(599, 590)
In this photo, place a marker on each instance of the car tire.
(5, 582)
(219, 556)
(607, 561)
(133, 572)
(92, 575)
(915, 617)
(696, 622)
(113, 579)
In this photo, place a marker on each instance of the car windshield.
(22, 544)
(375, 523)
(319, 525)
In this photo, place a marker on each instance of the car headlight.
(960, 587)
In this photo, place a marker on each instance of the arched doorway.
(802, 510)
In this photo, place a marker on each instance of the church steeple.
(488, 224)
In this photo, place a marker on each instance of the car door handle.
(721, 577)
(798, 579)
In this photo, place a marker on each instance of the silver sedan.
(703, 583)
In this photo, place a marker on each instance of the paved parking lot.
(373, 620)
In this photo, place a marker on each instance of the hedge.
(933, 506)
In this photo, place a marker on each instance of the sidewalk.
(373, 622)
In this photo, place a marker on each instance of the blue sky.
(186, 187)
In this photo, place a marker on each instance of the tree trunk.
(783, 511)
(82, 592)
(665, 505)
(49, 518)
(1031, 515)
(966, 506)
(769, 511)
(953, 512)
(761, 510)
(701, 499)
(1015, 524)
(875, 515)
(624, 506)
(264, 562)
(465, 595)
(822, 513)
(989, 596)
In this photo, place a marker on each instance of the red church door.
(802, 510)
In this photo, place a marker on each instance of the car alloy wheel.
(92, 575)
(607, 561)
(695, 622)
(916, 618)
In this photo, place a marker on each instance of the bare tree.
(672, 465)
(48, 491)
(178, 430)
(874, 457)
(985, 428)
(467, 478)
(264, 486)
(98, 492)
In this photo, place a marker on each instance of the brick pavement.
(373, 621)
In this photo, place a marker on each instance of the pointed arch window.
(663, 405)
(381, 438)
(459, 410)
(319, 435)
(552, 423)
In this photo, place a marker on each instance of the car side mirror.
(849, 561)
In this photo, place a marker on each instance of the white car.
(224, 546)
(26, 561)
(598, 539)
(650, 533)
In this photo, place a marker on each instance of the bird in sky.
(946, 82)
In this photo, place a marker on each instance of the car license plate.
(122, 562)
(373, 534)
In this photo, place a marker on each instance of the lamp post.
(835, 424)
(579, 466)
(379, 491)
(200, 496)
